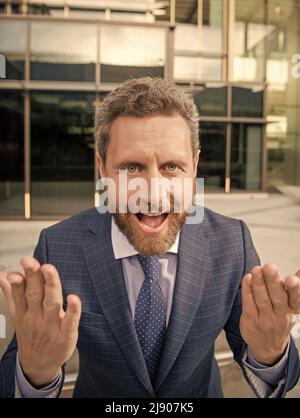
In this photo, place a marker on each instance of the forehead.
(145, 135)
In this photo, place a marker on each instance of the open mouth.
(151, 222)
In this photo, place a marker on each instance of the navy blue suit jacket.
(213, 257)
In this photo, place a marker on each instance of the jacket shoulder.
(223, 228)
(76, 225)
(217, 221)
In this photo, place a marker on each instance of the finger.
(249, 305)
(298, 273)
(260, 292)
(17, 283)
(34, 283)
(6, 289)
(276, 289)
(53, 298)
(293, 288)
(5, 285)
(70, 322)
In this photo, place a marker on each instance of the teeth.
(153, 214)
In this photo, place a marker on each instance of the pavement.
(274, 222)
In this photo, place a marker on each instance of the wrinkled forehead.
(146, 137)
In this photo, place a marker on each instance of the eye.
(171, 167)
(131, 169)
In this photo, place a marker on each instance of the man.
(144, 295)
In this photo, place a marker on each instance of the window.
(63, 52)
(12, 46)
(11, 153)
(192, 68)
(283, 128)
(46, 9)
(62, 152)
(247, 101)
(212, 162)
(246, 151)
(130, 52)
(211, 100)
(198, 45)
(16, 8)
(251, 34)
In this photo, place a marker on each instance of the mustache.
(140, 205)
(146, 208)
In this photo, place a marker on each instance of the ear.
(100, 164)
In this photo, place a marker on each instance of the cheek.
(127, 199)
(113, 187)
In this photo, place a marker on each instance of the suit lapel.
(107, 276)
(190, 278)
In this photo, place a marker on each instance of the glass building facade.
(238, 59)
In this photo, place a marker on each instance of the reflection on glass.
(246, 153)
(249, 60)
(63, 51)
(187, 38)
(283, 128)
(12, 46)
(251, 36)
(11, 153)
(186, 11)
(194, 38)
(211, 100)
(213, 155)
(282, 145)
(212, 29)
(282, 44)
(191, 68)
(208, 35)
(128, 52)
(247, 101)
(62, 152)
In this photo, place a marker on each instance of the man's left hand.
(269, 306)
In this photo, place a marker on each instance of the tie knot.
(150, 266)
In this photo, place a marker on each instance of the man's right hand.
(46, 334)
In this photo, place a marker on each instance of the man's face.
(149, 147)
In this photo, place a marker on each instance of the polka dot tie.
(150, 314)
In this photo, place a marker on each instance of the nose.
(156, 188)
(153, 192)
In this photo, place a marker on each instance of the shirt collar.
(122, 247)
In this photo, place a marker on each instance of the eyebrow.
(128, 162)
(132, 162)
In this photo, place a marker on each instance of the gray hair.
(143, 97)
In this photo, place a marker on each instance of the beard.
(150, 245)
